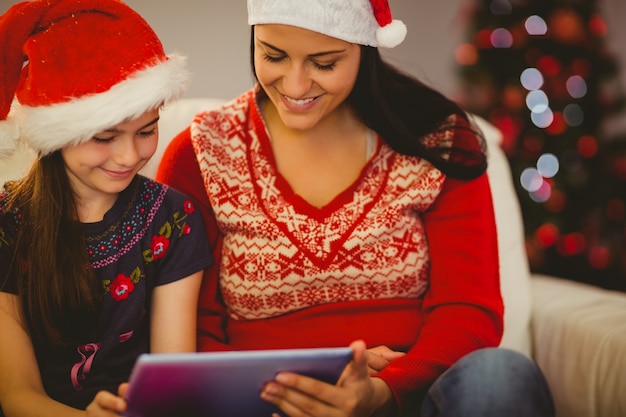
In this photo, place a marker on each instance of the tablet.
(221, 384)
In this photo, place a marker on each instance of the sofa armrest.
(17, 165)
(579, 341)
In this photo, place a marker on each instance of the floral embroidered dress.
(151, 236)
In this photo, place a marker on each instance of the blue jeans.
(492, 382)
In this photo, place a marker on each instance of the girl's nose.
(125, 152)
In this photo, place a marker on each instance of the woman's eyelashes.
(270, 58)
(319, 66)
(322, 67)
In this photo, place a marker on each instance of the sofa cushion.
(514, 269)
(580, 343)
(17, 165)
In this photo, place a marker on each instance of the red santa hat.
(365, 22)
(72, 68)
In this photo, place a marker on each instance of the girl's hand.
(355, 395)
(379, 357)
(106, 404)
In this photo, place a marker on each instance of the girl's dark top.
(152, 236)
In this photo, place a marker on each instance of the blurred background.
(550, 74)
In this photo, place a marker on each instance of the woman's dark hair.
(404, 111)
(55, 282)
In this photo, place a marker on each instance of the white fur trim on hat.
(49, 128)
(355, 21)
(351, 21)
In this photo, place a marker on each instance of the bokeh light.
(572, 244)
(587, 146)
(542, 194)
(558, 125)
(466, 54)
(599, 257)
(576, 86)
(548, 165)
(483, 38)
(537, 181)
(549, 65)
(531, 79)
(546, 234)
(574, 115)
(542, 119)
(597, 26)
(536, 26)
(531, 179)
(501, 38)
(537, 101)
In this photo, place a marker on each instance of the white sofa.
(575, 332)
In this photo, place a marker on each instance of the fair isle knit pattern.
(280, 254)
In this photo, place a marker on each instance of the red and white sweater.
(404, 257)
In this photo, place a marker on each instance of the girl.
(97, 263)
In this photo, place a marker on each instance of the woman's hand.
(106, 404)
(379, 357)
(355, 395)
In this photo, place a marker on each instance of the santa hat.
(365, 22)
(72, 68)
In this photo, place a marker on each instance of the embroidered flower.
(121, 287)
(186, 229)
(188, 207)
(125, 336)
(159, 246)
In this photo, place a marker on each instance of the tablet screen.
(221, 384)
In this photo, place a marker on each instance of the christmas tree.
(540, 71)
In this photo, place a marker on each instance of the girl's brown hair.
(55, 282)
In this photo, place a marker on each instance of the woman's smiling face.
(305, 74)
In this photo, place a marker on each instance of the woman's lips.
(299, 105)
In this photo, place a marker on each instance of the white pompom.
(391, 35)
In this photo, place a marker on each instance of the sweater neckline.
(300, 204)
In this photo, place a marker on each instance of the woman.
(348, 203)
(97, 263)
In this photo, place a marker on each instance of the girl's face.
(306, 75)
(106, 164)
